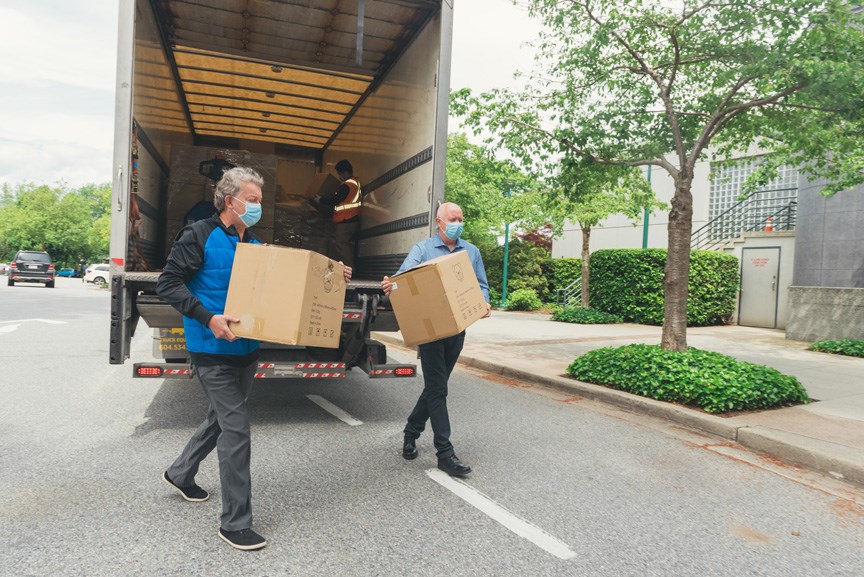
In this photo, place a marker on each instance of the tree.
(590, 192)
(70, 225)
(635, 83)
(476, 181)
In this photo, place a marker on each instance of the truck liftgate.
(362, 313)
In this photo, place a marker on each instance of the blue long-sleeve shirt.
(434, 247)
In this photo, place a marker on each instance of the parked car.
(31, 266)
(69, 272)
(98, 274)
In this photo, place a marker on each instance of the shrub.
(585, 316)
(524, 299)
(560, 273)
(523, 268)
(716, 383)
(629, 283)
(848, 347)
(494, 297)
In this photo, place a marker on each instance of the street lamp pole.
(508, 191)
(645, 221)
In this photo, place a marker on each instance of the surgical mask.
(252, 214)
(453, 230)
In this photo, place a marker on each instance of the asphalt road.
(561, 486)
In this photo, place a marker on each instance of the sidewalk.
(827, 435)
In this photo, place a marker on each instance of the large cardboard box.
(324, 185)
(286, 295)
(437, 299)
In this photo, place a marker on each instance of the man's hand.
(219, 325)
(386, 285)
(346, 272)
(488, 311)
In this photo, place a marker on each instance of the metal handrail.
(743, 216)
(570, 293)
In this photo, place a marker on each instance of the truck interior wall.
(160, 124)
(389, 142)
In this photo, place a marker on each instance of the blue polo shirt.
(434, 247)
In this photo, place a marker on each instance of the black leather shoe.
(409, 448)
(453, 466)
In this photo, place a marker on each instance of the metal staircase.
(763, 210)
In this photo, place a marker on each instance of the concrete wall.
(829, 248)
(826, 300)
(817, 313)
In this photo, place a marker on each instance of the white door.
(757, 303)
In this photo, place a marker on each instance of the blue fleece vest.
(210, 285)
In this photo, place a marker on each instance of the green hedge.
(629, 283)
(560, 273)
(585, 316)
(848, 347)
(716, 383)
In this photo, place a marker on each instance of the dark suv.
(31, 266)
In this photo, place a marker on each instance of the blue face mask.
(454, 230)
(252, 214)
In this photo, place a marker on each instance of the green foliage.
(848, 347)
(716, 383)
(629, 283)
(72, 225)
(523, 269)
(560, 273)
(476, 181)
(585, 316)
(523, 299)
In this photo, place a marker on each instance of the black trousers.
(437, 359)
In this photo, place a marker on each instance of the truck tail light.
(405, 371)
(148, 371)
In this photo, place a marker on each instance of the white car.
(98, 274)
(4, 268)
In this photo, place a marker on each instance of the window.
(727, 182)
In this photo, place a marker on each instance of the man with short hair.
(438, 358)
(195, 282)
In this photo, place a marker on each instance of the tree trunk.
(586, 242)
(675, 282)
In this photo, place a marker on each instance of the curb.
(836, 460)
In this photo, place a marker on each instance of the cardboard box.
(286, 295)
(324, 185)
(437, 299)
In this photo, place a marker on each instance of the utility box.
(286, 295)
(437, 299)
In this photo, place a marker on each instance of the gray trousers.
(227, 429)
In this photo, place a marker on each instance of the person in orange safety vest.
(346, 203)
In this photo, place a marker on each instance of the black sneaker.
(192, 493)
(244, 539)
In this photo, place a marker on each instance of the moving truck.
(289, 88)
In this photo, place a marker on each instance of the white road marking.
(8, 328)
(49, 321)
(509, 520)
(334, 410)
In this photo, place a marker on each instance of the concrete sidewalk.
(827, 435)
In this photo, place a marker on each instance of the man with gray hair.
(195, 282)
(438, 358)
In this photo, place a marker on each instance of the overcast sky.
(57, 79)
